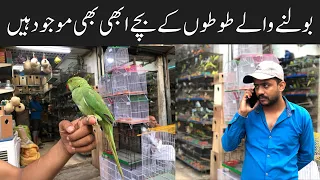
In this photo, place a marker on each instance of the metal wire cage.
(131, 108)
(158, 155)
(115, 57)
(109, 171)
(129, 80)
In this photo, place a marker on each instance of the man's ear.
(282, 86)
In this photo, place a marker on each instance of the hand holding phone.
(253, 100)
(248, 103)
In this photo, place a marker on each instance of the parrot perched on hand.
(90, 103)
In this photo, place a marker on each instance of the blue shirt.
(276, 154)
(37, 106)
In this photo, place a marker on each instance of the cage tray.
(163, 176)
(123, 157)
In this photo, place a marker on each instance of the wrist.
(243, 114)
(64, 149)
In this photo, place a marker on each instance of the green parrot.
(90, 103)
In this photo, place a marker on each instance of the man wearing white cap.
(279, 134)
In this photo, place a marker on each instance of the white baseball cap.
(265, 70)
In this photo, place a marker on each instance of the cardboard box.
(30, 79)
(6, 128)
(218, 78)
(2, 111)
(37, 80)
(16, 80)
(218, 94)
(23, 80)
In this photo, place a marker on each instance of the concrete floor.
(185, 172)
(80, 168)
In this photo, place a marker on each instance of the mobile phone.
(253, 100)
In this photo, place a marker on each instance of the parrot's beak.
(67, 87)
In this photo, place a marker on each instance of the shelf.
(301, 95)
(186, 159)
(202, 155)
(191, 77)
(196, 122)
(4, 91)
(2, 65)
(27, 85)
(208, 146)
(299, 76)
(193, 99)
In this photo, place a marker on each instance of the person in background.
(36, 110)
(279, 139)
(76, 137)
(153, 122)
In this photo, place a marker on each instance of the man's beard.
(271, 102)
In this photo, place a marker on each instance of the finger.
(66, 126)
(88, 148)
(91, 120)
(83, 141)
(80, 133)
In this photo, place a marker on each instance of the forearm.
(234, 133)
(48, 166)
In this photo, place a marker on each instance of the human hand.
(77, 136)
(245, 108)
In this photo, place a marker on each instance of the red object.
(232, 163)
(67, 87)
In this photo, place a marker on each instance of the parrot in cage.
(90, 103)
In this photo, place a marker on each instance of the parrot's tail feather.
(108, 130)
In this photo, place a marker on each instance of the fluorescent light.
(56, 49)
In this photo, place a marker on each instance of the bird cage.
(129, 80)
(128, 145)
(231, 81)
(230, 104)
(158, 155)
(108, 84)
(109, 102)
(109, 170)
(244, 49)
(248, 64)
(131, 108)
(115, 57)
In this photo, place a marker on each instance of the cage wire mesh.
(158, 155)
(248, 64)
(231, 104)
(129, 108)
(243, 49)
(109, 171)
(129, 80)
(231, 76)
(115, 57)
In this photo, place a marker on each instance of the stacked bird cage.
(243, 49)
(128, 146)
(131, 108)
(115, 57)
(231, 76)
(158, 155)
(109, 170)
(129, 80)
(248, 64)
